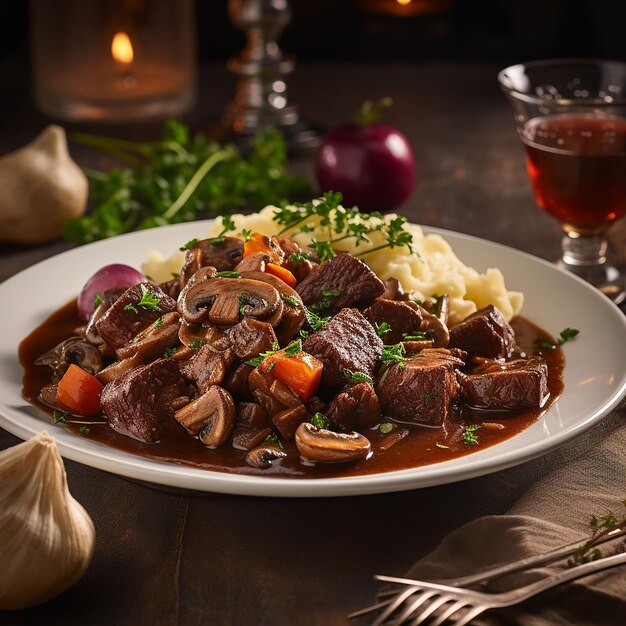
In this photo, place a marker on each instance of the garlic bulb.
(42, 188)
(46, 537)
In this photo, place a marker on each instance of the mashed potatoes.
(432, 268)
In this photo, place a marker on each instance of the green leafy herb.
(314, 320)
(354, 378)
(386, 427)
(294, 348)
(274, 438)
(567, 334)
(271, 366)
(324, 249)
(469, 438)
(97, 300)
(228, 225)
(291, 300)
(319, 420)
(169, 352)
(159, 322)
(84, 430)
(382, 329)
(326, 301)
(132, 308)
(227, 274)
(394, 354)
(57, 416)
(418, 335)
(304, 333)
(181, 178)
(197, 343)
(257, 360)
(149, 301)
(296, 258)
(428, 397)
(189, 245)
(246, 234)
(600, 527)
(440, 445)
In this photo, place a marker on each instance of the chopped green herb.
(273, 438)
(294, 348)
(440, 445)
(567, 334)
(417, 335)
(319, 420)
(382, 329)
(324, 249)
(228, 225)
(271, 366)
(159, 322)
(469, 438)
(296, 258)
(57, 416)
(328, 295)
(197, 343)
(257, 360)
(189, 245)
(149, 301)
(97, 300)
(394, 354)
(386, 427)
(291, 300)
(246, 233)
(314, 320)
(84, 430)
(428, 397)
(354, 378)
(227, 274)
(169, 352)
(130, 307)
(304, 333)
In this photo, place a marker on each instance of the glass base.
(585, 257)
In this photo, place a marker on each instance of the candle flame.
(403, 2)
(122, 49)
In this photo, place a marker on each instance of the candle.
(405, 8)
(100, 61)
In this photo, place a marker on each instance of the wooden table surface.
(169, 558)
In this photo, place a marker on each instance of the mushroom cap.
(222, 301)
(319, 444)
(262, 456)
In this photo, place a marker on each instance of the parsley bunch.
(181, 178)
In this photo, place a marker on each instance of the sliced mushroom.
(73, 350)
(435, 328)
(293, 315)
(263, 456)
(319, 444)
(222, 300)
(152, 342)
(200, 276)
(116, 369)
(211, 417)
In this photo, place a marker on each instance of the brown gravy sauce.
(421, 446)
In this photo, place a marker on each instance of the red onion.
(116, 275)
(370, 163)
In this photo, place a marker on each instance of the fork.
(460, 599)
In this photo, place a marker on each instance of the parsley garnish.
(273, 438)
(428, 397)
(394, 354)
(291, 300)
(194, 345)
(57, 416)
(319, 420)
(418, 335)
(469, 438)
(354, 378)
(257, 360)
(97, 300)
(293, 349)
(246, 233)
(296, 258)
(382, 329)
(227, 274)
(328, 296)
(324, 249)
(271, 366)
(149, 301)
(159, 322)
(169, 352)
(314, 320)
(228, 225)
(189, 245)
(567, 334)
(84, 430)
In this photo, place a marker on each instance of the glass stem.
(583, 250)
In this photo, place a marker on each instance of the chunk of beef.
(511, 385)
(126, 317)
(356, 284)
(273, 395)
(223, 256)
(354, 408)
(484, 333)
(236, 382)
(251, 337)
(347, 342)
(247, 437)
(208, 366)
(288, 420)
(251, 414)
(402, 317)
(420, 391)
(171, 287)
(141, 403)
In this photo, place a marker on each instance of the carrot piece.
(79, 391)
(281, 272)
(302, 372)
(266, 245)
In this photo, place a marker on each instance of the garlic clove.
(46, 536)
(42, 187)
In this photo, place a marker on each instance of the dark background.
(505, 31)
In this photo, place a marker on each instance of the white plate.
(595, 373)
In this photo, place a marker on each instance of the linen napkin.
(554, 511)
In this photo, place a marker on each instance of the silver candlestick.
(261, 97)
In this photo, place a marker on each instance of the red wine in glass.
(577, 166)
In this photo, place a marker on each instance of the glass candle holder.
(113, 60)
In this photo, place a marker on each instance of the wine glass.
(571, 118)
